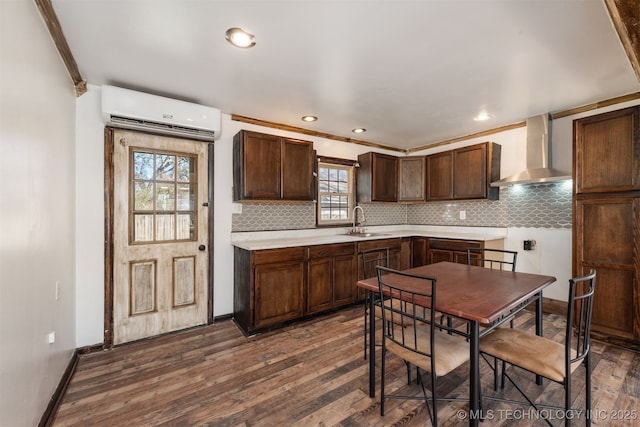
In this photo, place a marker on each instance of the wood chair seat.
(539, 355)
(452, 352)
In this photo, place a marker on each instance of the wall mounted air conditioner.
(129, 109)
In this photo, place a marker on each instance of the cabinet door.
(470, 172)
(460, 257)
(411, 179)
(607, 152)
(319, 289)
(385, 178)
(608, 241)
(344, 280)
(278, 292)
(297, 170)
(440, 176)
(257, 170)
(419, 247)
(439, 255)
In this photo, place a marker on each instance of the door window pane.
(142, 165)
(165, 197)
(165, 167)
(143, 195)
(185, 168)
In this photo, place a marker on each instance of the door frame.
(108, 233)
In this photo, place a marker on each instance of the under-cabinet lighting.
(309, 118)
(359, 130)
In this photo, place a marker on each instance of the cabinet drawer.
(378, 244)
(453, 245)
(322, 251)
(268, 256)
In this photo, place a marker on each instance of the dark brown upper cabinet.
(377, 179)
(411, 179)
(270, 167)
(440, 176)
(607, 152)
(464, 173)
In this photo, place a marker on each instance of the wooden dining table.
(479, 296)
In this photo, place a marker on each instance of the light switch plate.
(236, 208)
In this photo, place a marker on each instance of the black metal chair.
(546, 357)
(495, 259)
(371, 259)
(421, 342)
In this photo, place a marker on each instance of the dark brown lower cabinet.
(332, 277)
(268, 286)
(399, 255)
(450, 250)
(276, 286)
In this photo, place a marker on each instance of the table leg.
(372, 346)
(474, 373)
(539, 327)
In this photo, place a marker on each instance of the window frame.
(154, 211)
(345, 164)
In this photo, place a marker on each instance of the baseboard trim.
(52, 407)
(91, 349)
(554, 306)
(223, 318)
(551, 306)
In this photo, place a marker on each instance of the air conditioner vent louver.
(129, 109)
(164, 128)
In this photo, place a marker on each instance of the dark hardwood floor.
(311, 373)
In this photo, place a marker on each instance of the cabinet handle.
(202, 248)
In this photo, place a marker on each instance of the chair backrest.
(402, 307)
(372, 259)
(580, 306)
(496, 259)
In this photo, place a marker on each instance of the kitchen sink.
(366, 234)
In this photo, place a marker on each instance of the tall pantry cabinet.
(606, 217)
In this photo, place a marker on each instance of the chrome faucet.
(355, 219)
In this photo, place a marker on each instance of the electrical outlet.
(51, 337)
(463, 214)
(236, 208)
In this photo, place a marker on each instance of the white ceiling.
(410, 72)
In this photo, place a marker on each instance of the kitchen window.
(335, 191)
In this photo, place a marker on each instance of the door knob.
(202, 248)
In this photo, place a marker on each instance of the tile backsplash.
(536, 206)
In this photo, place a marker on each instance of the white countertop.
(257, 240)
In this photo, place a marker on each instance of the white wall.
(90, 219)
(37, 179)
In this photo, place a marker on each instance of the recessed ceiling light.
(309, 118)
(358, 130)
(239, 37)
(482, 116)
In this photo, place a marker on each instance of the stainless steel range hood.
(538, 169)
